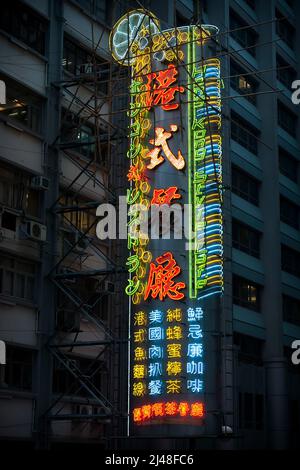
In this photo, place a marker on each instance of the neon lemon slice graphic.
(129, 29)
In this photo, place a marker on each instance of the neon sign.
(175, 154)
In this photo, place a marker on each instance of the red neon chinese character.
(160, 142)
(159, 90)
(165, 196)
(137, 414)
(158, 409)
(197, 410)
(171, 408)
(183, 409)
(160, 281)
(146, 412)
(134, 174)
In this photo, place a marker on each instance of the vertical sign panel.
(174, 160)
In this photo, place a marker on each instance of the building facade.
(59, 285)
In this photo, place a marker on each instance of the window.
(84, 220)
(290, 260)
(245, 185)
(289, 212)
(74, 56)
(285, 30)
(25, 25)
(65, 382)
(18, 369)
(242, 82)
(287, 119)
(15, 192)
(81, 138)
(245, 238)
(251, 411)
(22, 106)
(285, 72)
(242, 33)
(288, 165)
(246, 293)
(250, 349)
(291, 309)
(17, 278)
(98, 8)
(243, 133)
(251, 3)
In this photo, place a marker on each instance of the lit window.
(246, 293)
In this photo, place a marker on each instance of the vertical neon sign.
(174, 156)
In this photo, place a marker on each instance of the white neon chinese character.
(155, 352)
(194, 367)
(155, 333)
(155, 387)
(155, 368)
(195, 314)
(155, 316)
(195, 386)
(195, 332)
(195, 350)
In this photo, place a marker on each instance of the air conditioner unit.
(109, 287)
(68, 321)
(40, 182)
(74, 239)
(36, 231)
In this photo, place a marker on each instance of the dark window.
(245, 185)
(290, 260)
(18, 369)
(250, 349)
(285, 30)
(286, 74)
(243, 33)
(242, 82)
(243, 133)
(98, 8)
(17, 278)
(22, 106)
(291, 309)
(80, 137)
(15, 192)
(246, 293)
(289, 212)
(245, 238)
(251, 3)
(251, 411)
(65, 382)
(288, 165)
(181, 20)
(80, 62)
(287, 119)
(25, 25)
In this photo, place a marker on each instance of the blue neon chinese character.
(195, 332)
(194, 367)
(155, 387)
(195, 386)
(195, 314)
(156, 333)
(195, 350)
(155, 352)
(155, 316)
(155, 369)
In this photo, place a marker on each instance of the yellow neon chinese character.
(139, 371)
(174, 350)
(139, 336)
(173, 386)
(174, 332)
(174, 315)
(174, 368)
(140, 354)
(139, 389)
(140, 318)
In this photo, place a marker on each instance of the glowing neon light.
(171, 409)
